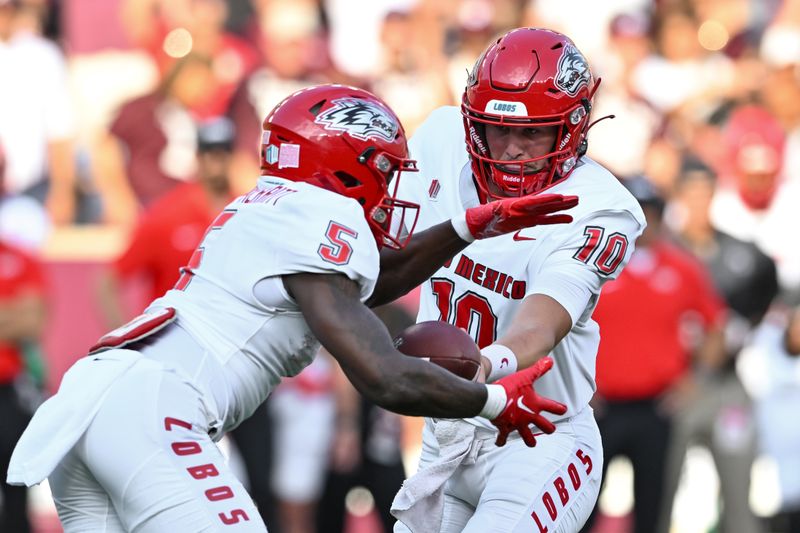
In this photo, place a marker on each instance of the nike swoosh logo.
(518, 237)
(523, 406)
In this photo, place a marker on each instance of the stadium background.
(667, 67)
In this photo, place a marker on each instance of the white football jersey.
(233, 302)
(480, 289)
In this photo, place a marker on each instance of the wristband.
(495, 402)
(459, 223)
(504, 362)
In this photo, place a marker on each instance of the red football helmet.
(348, 141)
(528, 77)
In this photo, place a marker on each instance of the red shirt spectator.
(658, 320)
(645, 319)
(166, 237)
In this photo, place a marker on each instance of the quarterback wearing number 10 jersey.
(481, 287)
(480, 290)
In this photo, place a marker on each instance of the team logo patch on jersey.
(433, 190)
(363, 120)
(573, 71)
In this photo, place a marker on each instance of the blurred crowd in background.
(143, 117)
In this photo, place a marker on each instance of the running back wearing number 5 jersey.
(256, 332)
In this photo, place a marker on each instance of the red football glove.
(523, 405)
(513, 214)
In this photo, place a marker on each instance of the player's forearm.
(361, 344)
(539, 325)
(414, 387)
(529, 345)
(403, 270)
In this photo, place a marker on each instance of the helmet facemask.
(528, 78)
(500, 178)
(391, 220)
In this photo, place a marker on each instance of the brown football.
(443, 344)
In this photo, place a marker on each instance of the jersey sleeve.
(593, 251)
(337, 240)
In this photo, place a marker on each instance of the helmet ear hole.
(314, 110)
(348, 180)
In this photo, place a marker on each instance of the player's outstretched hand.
(524, 405)
(513, 214)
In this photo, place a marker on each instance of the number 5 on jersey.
(339, 250)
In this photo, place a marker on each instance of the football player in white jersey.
(128, 442)
(522, 295)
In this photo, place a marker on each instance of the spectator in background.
(294, 54)
(780, 94)
(366, 445)
(168, 29)
(634, 118)
(23, 221)
(22, 319)
(150, 146)
(411, 79)
(647, 367)
(23, 228)
(474, 25)
(755, 201)
(168, 231)
(770, 367)
(681, 76)
(662, 161)
(36, 117)
(162, 243)
(721, 417)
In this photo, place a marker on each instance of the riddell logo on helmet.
(502, 107)
(473, 135)
(564, 141)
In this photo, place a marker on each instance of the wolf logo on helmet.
(361, 119)
(512, 86)
(573, 71)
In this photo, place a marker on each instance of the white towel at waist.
(61, 420)
(420, 502)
